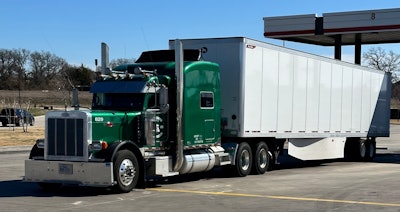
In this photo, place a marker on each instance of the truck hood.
(111, 126)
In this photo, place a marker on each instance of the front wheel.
(126, 171)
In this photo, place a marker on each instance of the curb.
(15, 149)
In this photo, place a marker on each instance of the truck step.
(222, 159)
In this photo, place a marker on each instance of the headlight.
(40, 143)
(98, 145)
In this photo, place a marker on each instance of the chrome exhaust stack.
(180, 158)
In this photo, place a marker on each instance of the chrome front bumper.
(80, 173)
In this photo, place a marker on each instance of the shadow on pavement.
(18, 188)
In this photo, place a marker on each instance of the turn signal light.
(104, 145)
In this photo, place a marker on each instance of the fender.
(231, 148)
(129, 145)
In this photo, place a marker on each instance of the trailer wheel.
(261, 159)
(367, 150)
(363, 150)
(360, 150)
(126, 171)
(371, 149)
(243, 161)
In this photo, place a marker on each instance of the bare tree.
(121, 61)
(21, 57)
(379, 59)
(44, 68)
(12, 68)
(5, 68)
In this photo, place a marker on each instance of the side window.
(206, 100)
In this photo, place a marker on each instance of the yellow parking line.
(275, 197)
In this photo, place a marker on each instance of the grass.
(16, 137)
(37, 101)
(37, 111)
(41, 98)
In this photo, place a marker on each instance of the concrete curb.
(15, 149)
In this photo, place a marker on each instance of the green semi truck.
(228, 102)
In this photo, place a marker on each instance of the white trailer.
(323, 107)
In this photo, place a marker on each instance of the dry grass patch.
(8, 137)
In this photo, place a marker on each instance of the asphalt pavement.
(329, 185)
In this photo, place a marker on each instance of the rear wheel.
(371, 149)
(360, 150)
(126, 171)
(262, 159)
(243, 161)
(363, 150)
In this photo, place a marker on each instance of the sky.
(74, 29)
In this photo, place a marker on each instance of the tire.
(360, 150)
(363, 150)
(367, 150)
(243, 160)
(370, 150)
(36, 152)
(262, 159)
(126, 171)
(4, 124)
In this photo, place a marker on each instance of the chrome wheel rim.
(263, 158)
(126, 172)
(245, 160)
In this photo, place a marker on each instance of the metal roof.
(351, 28)
(348, 39)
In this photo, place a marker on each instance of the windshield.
(118, 101)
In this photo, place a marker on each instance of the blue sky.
(74, 29)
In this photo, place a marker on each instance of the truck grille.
(66, 139)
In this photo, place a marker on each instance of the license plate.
(65, 168)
